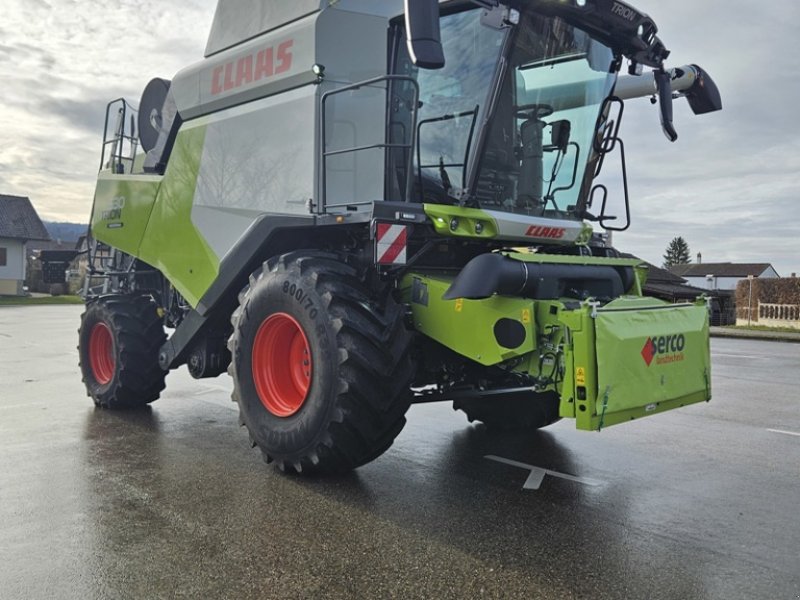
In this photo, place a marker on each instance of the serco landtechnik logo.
(664, 349)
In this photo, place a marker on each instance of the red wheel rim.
(101, 353)
(282, 365)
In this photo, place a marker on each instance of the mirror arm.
(664, 86)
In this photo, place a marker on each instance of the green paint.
(579, 396)
(150, 217)
(550, 335)
(171, 242)
(603, 375)
(679, 370)
(585, 236)
(620, 379)
(122, 208)
(469, 222)
(566, 259)
(466, 326)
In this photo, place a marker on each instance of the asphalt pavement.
(172, 503)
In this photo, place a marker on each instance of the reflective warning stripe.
(392, 243)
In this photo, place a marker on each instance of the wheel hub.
(101, 353)
(282, 365)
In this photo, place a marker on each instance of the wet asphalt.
(172, 503)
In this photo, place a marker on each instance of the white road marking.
(747, 356)
(792, 433)
(537, 474)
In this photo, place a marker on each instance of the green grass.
(47, 300)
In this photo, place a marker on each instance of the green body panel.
(568, 259)
(633, 358)
(550, 333)
(467, 326)
(172, 243)
(649, 356)
(579, 368)
(122, 208)
(150, 217)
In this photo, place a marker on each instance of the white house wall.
(13, 273)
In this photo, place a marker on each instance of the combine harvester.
(352, 206)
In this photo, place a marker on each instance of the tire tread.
(375, 369)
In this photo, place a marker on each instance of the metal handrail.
(441, 118)
(323, 191)
(119, 136)
(362, 148)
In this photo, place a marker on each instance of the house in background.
(667, 286)
(48, 263)
(19, 224)
(722, 276)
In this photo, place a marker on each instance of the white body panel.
(12, 274)
(512, 226)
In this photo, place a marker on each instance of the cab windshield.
(518, 139)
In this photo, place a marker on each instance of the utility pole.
(750, 301)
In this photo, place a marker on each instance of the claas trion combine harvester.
(353, 206)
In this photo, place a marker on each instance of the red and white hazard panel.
(391, 244)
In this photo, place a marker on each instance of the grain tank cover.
(237, 21)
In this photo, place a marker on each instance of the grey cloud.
(729, 184)
(60, 63)
(75, 114)
(24, 54)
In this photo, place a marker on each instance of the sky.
(729, 186)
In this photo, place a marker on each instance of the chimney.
(699, 258)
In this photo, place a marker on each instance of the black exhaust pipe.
(490, 274)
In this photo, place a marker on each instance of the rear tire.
(321, 369)
(119, 341)
(512, 412)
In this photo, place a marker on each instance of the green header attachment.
(633, 358)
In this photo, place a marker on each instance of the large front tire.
(119, 341)
(321, 367)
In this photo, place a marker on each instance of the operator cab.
(516, 139)
(521, 114)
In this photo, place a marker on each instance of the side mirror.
(703, 96)
(423, 33)
(664, 87)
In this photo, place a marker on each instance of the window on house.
(3, 257)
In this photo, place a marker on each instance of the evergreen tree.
(677, 253)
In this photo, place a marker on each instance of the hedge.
(766, 291)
